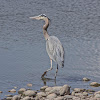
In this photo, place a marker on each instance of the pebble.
(59, 98)
(15, 87)
(29, 85)
(85, 94)
(68, 97)
(95, 84)
(9, 98)
(20, 91)
(12, 91)
(86, 79)
(76, 98)
(79, 90)
(78, 94)
(9, 95)
(65, 90)
(51, 96)
(29, 93)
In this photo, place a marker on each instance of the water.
(23, 57)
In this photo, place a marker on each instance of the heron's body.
(55, 50)
(54, 47)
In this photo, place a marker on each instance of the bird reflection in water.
(45, 80)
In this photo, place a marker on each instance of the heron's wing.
(55, 50)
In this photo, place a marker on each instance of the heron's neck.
(46, 36)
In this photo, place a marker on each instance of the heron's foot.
(44, 74)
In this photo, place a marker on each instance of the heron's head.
(39, 17)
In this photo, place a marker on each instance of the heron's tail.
(62, 64)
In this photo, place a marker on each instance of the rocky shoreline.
(56, 93)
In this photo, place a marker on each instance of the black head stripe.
(43, 15)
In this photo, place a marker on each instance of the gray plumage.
(55, 50)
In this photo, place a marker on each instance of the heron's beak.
(35, 17)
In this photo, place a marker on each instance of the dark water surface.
(23, 57)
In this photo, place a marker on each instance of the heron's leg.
(48, 69)
(51, 66)
(56, 71)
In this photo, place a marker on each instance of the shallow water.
(23, 57)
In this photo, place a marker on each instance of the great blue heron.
(54, 47)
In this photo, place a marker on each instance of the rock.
(78, 94)
(9, 98)
(29, 93)
(37, 97)
(89, 90)
(95, 84)
(51, 96)
(73, 93)
(85, 94)
(86, 79)
(20, 91)
(9, 95)
(65, 90)
(98, 92)
(26, 98)
(76, 98)
(48, 89)
(43, 88)
(1, 92)
(41, 94)
(16, 97)
(59, 98)
(77, 90)
(30, 85)
(12, 91)
(68, 97)
(57, 88)
(97, 96)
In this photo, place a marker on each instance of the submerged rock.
(95, 84)
(9, 95)
(30, 85)
(12, 91)
(86, 79)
